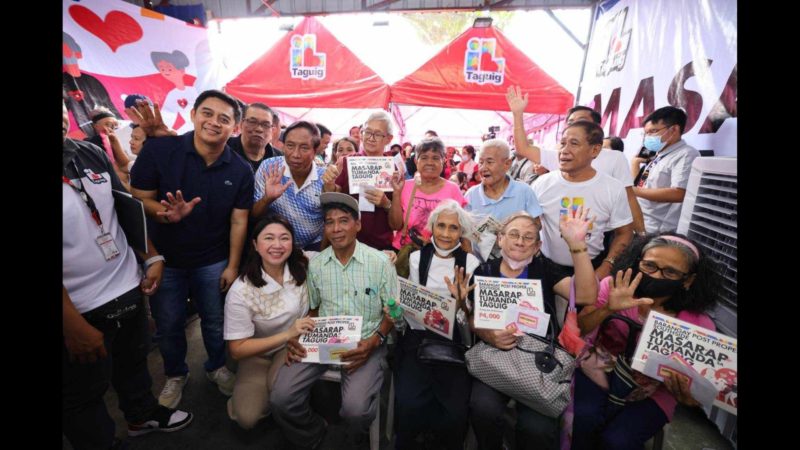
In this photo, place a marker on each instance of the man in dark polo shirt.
(197, 194)
(376, 134)
(254, 143)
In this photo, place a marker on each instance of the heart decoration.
(182, 103)
(116, 30)
(487, 64)
(310, 59)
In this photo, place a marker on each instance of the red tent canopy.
(474, 72)
(310, 68)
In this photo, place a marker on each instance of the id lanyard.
(647, 168)
(105, 241)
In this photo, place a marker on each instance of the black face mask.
(657, 287)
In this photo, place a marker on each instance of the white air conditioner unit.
(708, 216)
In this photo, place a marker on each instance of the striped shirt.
(360, 288)
(299, 204)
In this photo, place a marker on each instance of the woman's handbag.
(401, 264)
(537, 372)
(570, 336)
(598, 362)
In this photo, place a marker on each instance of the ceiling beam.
(499, 3)
(379, 5)
(265, 4)
(564, 27)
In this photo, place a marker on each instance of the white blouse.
(265, 311)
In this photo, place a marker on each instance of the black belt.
(115, 309)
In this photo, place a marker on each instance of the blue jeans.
(168, 306)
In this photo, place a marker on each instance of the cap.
(338, 197)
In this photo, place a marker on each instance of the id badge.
(107, 245)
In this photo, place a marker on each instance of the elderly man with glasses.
(376, 134)
(254, 143)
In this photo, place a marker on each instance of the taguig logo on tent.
(480, 64)
(304, 61)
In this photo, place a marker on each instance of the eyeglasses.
(527, 239)
(669, 273)
(252, 122)
(655, 132)
(373, 135)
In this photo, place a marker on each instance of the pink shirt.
(422, 206)
(468, 167)
(614, 339)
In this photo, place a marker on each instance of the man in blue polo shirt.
(197, 194)
(290, 185)
(498, 195)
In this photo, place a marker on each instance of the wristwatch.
(381, 336)
(611, 260)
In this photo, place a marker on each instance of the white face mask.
(515, 264)
(442, 252)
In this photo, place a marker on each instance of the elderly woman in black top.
(520, 243)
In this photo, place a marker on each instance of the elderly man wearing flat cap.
(347, 278)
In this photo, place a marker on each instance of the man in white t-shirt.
(615, 164)
(578, 184)
(607, 161)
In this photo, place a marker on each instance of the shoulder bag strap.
(404, 233)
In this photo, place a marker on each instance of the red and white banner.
(647, 54)
(113, 49)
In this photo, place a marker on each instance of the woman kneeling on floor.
(265, 307)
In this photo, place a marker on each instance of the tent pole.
(394, 108)
(586, 49)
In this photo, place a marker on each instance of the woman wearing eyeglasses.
(520, 243)
(667, 273)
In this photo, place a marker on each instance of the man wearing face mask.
(662, 186)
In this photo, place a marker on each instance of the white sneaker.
(224, 379)
(173, 391)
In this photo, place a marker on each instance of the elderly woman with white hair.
(430, 395)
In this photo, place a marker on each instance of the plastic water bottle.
(395, 311)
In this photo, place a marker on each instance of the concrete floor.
(211, 428)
